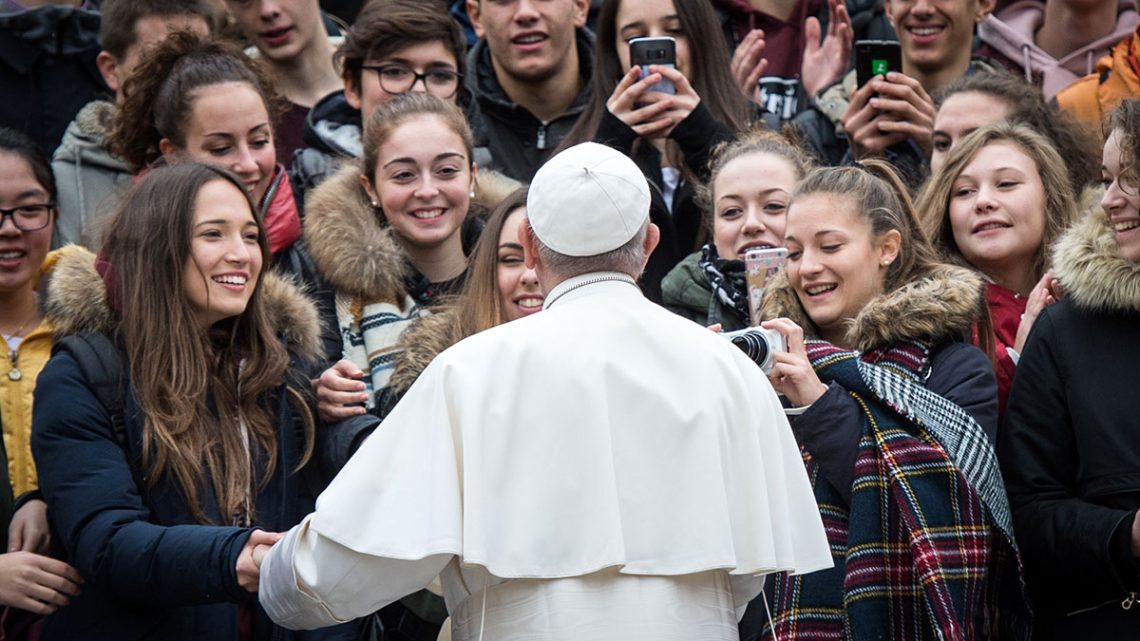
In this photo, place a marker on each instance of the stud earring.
(375, 205)
(472, 193)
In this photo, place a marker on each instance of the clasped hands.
(252, 556)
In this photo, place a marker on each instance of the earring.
(886, 261)
(472, 193)
(375, 205)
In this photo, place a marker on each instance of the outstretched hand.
(249, 560)
(825, 62)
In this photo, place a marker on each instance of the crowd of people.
(462, 270)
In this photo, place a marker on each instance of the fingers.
(680, 82)
(261, 537)
(339, 392)
(791, 331)
(15, 536)
(715, 327)
(748, 63)
(37, 583)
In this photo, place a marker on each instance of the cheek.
(724, 236)
(266, 160)
(959, 221)
(684, 62)
(508, 278)
(623, 55)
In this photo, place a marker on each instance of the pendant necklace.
(14, 374)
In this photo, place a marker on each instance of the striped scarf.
(925, 550)
(369, 337)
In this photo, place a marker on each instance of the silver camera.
(759, 344)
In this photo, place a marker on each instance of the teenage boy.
(294, 42)
(86, 171)
(529, 76)
(893, 116)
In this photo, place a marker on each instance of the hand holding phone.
(662, 52)
(760, 265)
(876, 58)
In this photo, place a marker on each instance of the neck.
(836, 335)
(310, 76)
(20, 311)
(440, 263)
(933, 80)
(548, 98)
(781, 9)
(1017, 277)
(1066, 28)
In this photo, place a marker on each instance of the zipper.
(540, 137)
(1126, 604)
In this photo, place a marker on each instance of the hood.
(1010, 32)
(333, 127)
(1088, 263)
(353, 253)
(488, 93)
(938, 307)
(419, 344)
(84, 143)
(74, 300)
(52, 29)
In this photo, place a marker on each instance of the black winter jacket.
(1070, 447)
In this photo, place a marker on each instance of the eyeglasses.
(28, 217)
(398, 79)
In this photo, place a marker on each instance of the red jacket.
(279, 213)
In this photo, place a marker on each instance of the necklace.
(14, 374)
(621, 278)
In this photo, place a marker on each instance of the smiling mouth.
(760, 245)
(816, 290)
(925, 31)
(12, 255)
(990, 226)
(529, 39)
(231, 280)
(1124, 225)
(531, 302)
(427, 214)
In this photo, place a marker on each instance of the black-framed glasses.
(28, 217)
(398, 79)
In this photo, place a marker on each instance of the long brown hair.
(709, 66)
(1060, 201)
(158, 97)
(481, 307)
(178, 371)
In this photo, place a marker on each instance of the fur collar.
(1088, 263)
(354, 253)
(74, 300)
(942, 306)
(421, 343)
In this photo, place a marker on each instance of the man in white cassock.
(604, 470)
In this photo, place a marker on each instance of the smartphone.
(876, 58)
(654, 51)
(760, 265)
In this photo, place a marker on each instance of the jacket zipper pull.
(540, 138)
(1128, 601)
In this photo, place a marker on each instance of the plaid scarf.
(369, 338)
(925, 550)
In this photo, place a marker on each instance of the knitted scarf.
(926, 549)
(369, 334)
(726, 277)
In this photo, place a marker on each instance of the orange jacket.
(1097, 94)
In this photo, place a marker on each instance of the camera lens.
(754, 345)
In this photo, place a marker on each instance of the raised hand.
(792, 375)
(748, 63)
(825, 62)
(901, 110)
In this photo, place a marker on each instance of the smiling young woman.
(890, 393)
(204, 459)
(987, 208)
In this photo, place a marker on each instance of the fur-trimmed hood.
(421, 343)
(942, 306)
(1089, 265)
(354, 253)
(74, 300)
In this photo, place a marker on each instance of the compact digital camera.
(759, 344)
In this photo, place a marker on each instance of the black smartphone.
(654, 51)
(876, 58)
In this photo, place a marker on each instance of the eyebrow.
(31, 192)
(223, 221)
(509, 245)
(762, 192)
(822, 232)
(446, 154)
(226, 134)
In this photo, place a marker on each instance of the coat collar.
(1089, 265)
(74, 300)
(940, 306)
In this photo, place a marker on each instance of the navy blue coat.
(150, 571)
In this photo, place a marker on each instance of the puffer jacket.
(150, 570)
(88, 176)
(1116, 78)
(1070, 447)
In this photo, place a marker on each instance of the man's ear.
(652, 238)
(581, 12)
(109, 69)
(476, 17)
(529, 243)
(983, 9)
(352, 95)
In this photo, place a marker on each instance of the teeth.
(427, 213)
(1121, 226)
(11, 254)
(230, 280)
(925, 31)
(526, 40)
(530, 302)
(819, 289)
(989, 226)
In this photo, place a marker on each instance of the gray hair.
(627, 259)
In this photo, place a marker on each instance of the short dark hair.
(19, 144)
(118, 19)
(383, 27)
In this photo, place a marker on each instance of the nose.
(923, 7)
(1112, 199)
(270, 9)
(529, 277)
(244, 163)
(525, 11)
(420, 80)
(8, 225)
(810, 263)
(753, 223)
(427, 189)
(984, 198)
(238, 252)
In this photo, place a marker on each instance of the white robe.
(602, 438)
